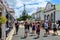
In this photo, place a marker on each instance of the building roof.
(57, 6)
(41, 10)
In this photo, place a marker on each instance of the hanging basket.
(2, 20)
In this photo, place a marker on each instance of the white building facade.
(39, 15)
(9, 14)
(51, 13)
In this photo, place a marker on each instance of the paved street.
(21, 33)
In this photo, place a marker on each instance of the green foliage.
(2, 20)
(24, 15)
(24, 18)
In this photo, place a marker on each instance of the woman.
(26, 29)
(17, 27)
(38, 29)
(33, 28)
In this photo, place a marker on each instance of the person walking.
(26, 27)
(55, 29)
(49, 27)
(38, 29)
(33, 28)
(46, 29)
(17, 27)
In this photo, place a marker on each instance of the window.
(52, 17)
(54, 6)
(45, 18)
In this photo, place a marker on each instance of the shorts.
(26, 30)
(38, 32)
(33, 28)
(46, 30)
(49, 28)
(54, 29)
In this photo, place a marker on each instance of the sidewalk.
(51, 31)
(21, 34)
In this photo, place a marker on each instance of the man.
(38, 29)
(26, 29)
(46, 28)
(17, 27)
(55, 29)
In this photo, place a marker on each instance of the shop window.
(45, 17)
(52, 5)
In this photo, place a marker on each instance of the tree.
(2, 20)
(19, 19)
(24, 15)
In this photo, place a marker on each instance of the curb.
(10, 35)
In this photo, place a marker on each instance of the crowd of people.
(36, 27)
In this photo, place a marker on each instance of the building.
(10, 15)
(39, 15)
(2, 10)
(8, 27)
(49, 12)
(57, 12)
(52, 12)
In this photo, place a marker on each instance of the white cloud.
(18, 3)
(31, 5)
(10, 3)
(41, 3)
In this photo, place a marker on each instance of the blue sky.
(31, 5)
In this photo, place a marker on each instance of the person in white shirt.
(46, 28)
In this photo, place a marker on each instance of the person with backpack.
(38, 29)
